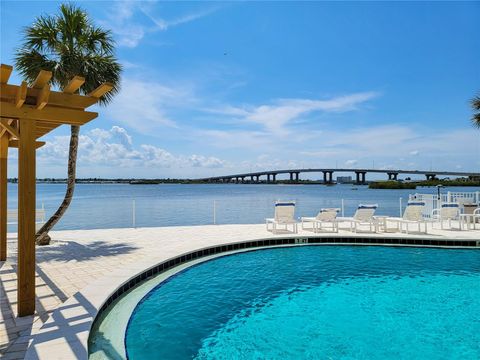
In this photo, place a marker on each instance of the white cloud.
(164, 24)
(388, 146)
(123, 19)
(143, 105)
(276, 116)
(114, 148)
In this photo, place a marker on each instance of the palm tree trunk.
(42, 235)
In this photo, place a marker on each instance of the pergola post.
(3, 194)
(26, 217)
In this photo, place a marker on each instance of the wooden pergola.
(29, 112)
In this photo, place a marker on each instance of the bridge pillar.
(360, 177)
(297, 176)
(274, 177)
(243, 179)
(392, 176)
(291, 176)
(268, 178)
(327, 177)
(330, 177)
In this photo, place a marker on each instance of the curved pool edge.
(65, 334)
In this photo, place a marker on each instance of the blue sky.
(218, 88)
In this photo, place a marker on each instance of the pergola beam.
(74, 85)
(50, 114)
(15, 143)
(5, 72)
(101, 90)
(42, 98)
(42, 79)
(8, 93)
(21, 95)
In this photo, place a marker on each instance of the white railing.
(228, 209)
(433, 201)
(226, 212)
(462, 197)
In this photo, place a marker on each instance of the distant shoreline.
(378, 184)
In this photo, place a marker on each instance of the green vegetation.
(453, 182)
(414, 184)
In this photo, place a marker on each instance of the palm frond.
(43, 35)
(475, 102)
(69, 44)
(29, 62)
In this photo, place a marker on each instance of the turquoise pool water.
(315, 302)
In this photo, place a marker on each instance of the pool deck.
(82, 268)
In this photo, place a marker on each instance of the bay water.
(97, 206)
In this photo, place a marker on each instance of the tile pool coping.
(65, 334)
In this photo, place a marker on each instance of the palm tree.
(69, 44)
(476, 109)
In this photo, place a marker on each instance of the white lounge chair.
(447, 212)
(476, 217)
(363, 216)
(284, 215)
(470, 217)
(324, 217)
(413, 214)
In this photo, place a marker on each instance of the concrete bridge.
(294, 175)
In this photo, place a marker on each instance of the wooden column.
(26, 218)
(3, 195)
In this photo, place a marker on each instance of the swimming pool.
(310, 302)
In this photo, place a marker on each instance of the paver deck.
(78, 259)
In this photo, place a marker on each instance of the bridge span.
(271, 176)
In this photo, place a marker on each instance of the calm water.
(110, 205)
(315, 302)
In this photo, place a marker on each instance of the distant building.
(344, 179)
